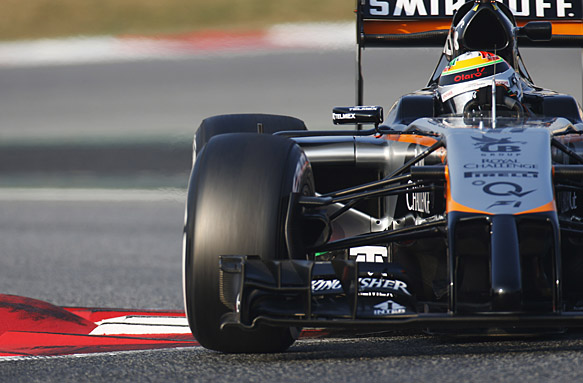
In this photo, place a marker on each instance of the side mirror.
(357, 115)
(537, 31)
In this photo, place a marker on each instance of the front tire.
(236, 205)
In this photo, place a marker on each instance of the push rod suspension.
(420, 231)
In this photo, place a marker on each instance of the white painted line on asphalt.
(141, 325)
(93, 195)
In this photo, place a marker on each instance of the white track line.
(141, 325)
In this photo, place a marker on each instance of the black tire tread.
(234, 206)
(243, 123)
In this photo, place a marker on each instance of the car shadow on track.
(417, 345)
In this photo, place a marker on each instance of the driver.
(465, 87)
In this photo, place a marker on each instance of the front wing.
(348, 294)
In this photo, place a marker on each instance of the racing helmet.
(465, 86)
(483, 25)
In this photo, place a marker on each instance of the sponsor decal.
(505, 203)
(343, 116)
(364, 284)
(381, 283)
(419, 202)
(465, 87)
(501, 173)
(349, 114)
(505, 189)
(388, 308)
(375, 294)
(499, 163)
(328, 285)
(547, 9)
(364, 108)
(471, 76)
(497, 145)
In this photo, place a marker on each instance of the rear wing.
(425, 23)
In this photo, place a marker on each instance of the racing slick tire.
(243, 123)
(236, 205)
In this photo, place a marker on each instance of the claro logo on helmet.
(465, 76)
(364, 284)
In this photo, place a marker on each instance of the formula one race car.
(461, 213)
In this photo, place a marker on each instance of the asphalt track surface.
(119, 252)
